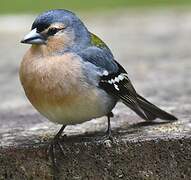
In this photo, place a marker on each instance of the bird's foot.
(54, 144)
(107, 137)
(52, 148)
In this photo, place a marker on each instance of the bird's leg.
(108, 132)
(52, 147)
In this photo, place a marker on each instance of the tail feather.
(136, 108)
(152, 112)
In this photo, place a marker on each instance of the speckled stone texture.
(155, 49)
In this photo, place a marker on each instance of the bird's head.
(57, 29)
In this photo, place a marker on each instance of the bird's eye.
(52, 31)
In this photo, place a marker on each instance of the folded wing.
(119, 85)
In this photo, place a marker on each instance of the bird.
(71, 76)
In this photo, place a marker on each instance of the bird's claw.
(107, 137)
(56, 142)
(51, 155)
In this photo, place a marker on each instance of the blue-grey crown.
(52, 16)
(70, 20)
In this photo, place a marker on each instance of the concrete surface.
(155, 49)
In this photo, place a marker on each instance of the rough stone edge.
(94, 160)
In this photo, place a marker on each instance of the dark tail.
(151, 111)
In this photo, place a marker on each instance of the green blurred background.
(36, 6)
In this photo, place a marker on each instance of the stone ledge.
(139, 151)
(151, 159)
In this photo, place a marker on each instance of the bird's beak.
(34, 38)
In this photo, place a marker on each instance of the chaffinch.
(70, 75)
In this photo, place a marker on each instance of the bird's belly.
(72, 108)
(57, 88)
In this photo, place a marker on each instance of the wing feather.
(124, 90)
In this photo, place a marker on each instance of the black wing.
(119, 85)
